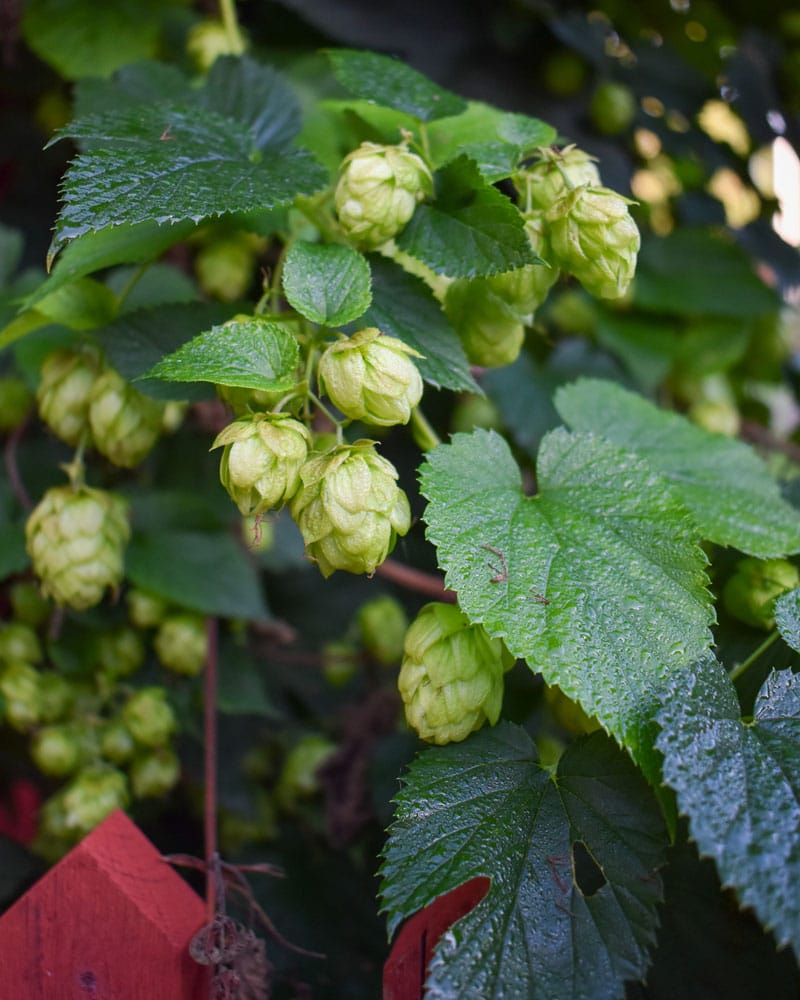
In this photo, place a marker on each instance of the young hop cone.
(125, 423)
(491, 329)
(181, 643)
(370, 376)
(378, 189)
(451, 677)
(261, 461)
(64, 391)
(558, 172)
(76, 539)
(350, 509)
(593, 236)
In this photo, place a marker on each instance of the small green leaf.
(787, 618)
(250, 353)
(724, 484)
(81, 305)
(202, 571)
(598, 582)
(327, 283)
(388, 81)
(524, 131)
(572, 858)
(471, 230)
(739, 784)
(404, 307)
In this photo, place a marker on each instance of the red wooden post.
(111, 921)
(405, 969)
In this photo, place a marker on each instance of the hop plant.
(76, 539)
(451, 677)
(149, 717)
(154, 773)
(557, 173)
(378, 189)
(15, 401)
(91, 795)
(370, 376)
(593, 236)
(56, 750)
(750, 593)
(65, 386)
(19, 644)
(382, 623)
(116, 742)
(350, 509)
(490, 330)
(125, 423)
(19, 687)
(181, 643)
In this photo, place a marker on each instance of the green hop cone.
(125, 423)
(91, 795)
(154, 773)
(56, 750)
(451, 678)
(56, 697)
(120, 652)
(181, 643)
(76, 539)
(378, 189)
(382, 623)
(116, 742)
(593, 236)
(350, 509)
(612, 108)
(19, 643)
(557, 173)
(261, 460)
(19, 687)
(27, 603)
(491, 330)
(67, 378)
(370, 376)
(149, 717)
(751, 592)
(145, 610)
(299, 778)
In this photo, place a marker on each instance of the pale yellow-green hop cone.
(593, 236)
(91, 795)
(181, 643)
(378, 189)
(558, 172)
(125, 423)
(371, 377)
(491, 331)
(350, 509)
(64, 391)
(76, 539)
(261, 460)
(451, 677)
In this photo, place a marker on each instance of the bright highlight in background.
(786, 182)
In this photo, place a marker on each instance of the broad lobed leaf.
(327, 283)
(787, 617)
(572, 858)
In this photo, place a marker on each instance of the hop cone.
(76, 540)
(371, 377)
(557, 173)
(491, 330)
(64, 391)
(350, 509)
(593, 236)
(261, 461)
(125, 423)
(451, 678)
(378, 190)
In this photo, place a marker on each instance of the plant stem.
(415, 579)
(739, 670)
(12, 468)
(425, 436)
(210, 763)
(133, 281)
(227, 9)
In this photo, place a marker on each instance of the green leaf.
(202, 571)
(404, 307)
(241, 689)
(387, 81)
(787, 617)
(597, 581)
(13, 557)
(726, 487)
(572, 858)
(739, 784)
(82, 305)
(166, 164)
(327, 283)
(471, 230)
(250, 353)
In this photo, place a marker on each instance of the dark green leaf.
(204, 572)
(646, 347)
(787, 617)
(13, 557)
(471, 230)
(404, 307)
(597, 582)
(144, 82)
(11, 247)
(250, 353)
(241, 689)
(726, 487)
(739, 784)
(573, 859)
(388, 81)
(327, 283)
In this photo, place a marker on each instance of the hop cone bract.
(125, 423)
(64, 391)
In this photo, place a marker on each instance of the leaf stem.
(133, 281)
(745, 665)
(425, 436)
(210, 763)
(227, 10)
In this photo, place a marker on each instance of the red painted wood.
(111, 921)
(405, 969)
(19, 818)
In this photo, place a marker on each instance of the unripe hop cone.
(593, 236)
(378, 189)
(67, 377)
(76, 539)
(262, 457)
(350, 509)
(557, 173)
(125, 423)
(451, 678)
(370, 376)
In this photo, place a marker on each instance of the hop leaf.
(76, 540)
(371, 377)
(379, 188)
(349, 508)
(451, 678)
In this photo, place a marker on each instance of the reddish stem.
(11, 466)
(210, 764)
(416, 579)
